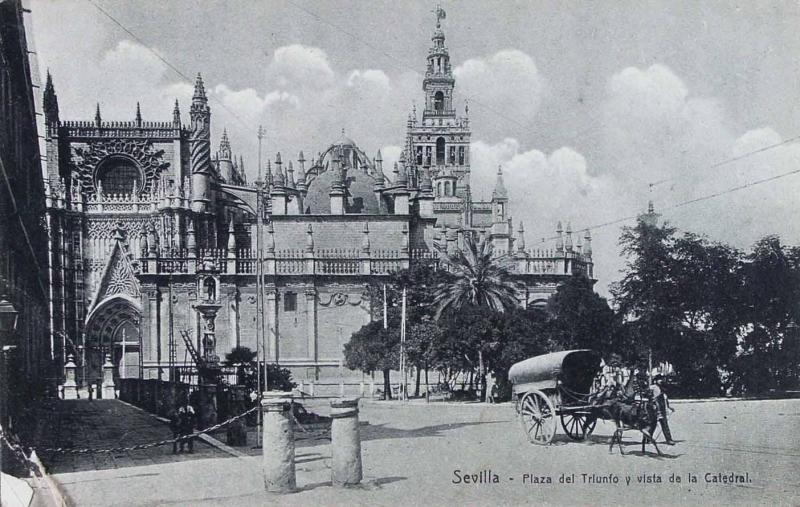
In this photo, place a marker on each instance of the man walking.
(662, 403)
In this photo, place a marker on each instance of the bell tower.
(439, 141)
(439, 82)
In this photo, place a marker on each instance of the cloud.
(504, 84)
(299, 65)
(653, 128)
(369, 79)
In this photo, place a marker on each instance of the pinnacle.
(199, 89)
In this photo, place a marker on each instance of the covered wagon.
(556, 385)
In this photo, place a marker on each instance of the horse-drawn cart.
(556, 385)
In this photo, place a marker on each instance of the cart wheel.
(538, 417)
(577, 425)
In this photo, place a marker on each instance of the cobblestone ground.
(419, 455)
(104, 424)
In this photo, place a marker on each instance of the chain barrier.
(20, 453)
(139, 447)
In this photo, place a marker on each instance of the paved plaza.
(417, 454)
(105, 424)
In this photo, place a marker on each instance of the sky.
(591, 108)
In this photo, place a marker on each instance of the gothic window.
(119, 176)
(446, 188)
(290, 302)
(427, 155)
(460, 155)
(419, 155)
(439, 189)
(440, 151)
(452, 155)
(438, 102)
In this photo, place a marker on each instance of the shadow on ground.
(382, 431)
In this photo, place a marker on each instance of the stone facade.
(149, 235)
(23, 235)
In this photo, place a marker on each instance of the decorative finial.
(97, 118)
(138, 115)
(176, 114)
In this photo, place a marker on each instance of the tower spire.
(50, 101)
(499, 187)
(224, 146)
(176, 114)
(199, 88)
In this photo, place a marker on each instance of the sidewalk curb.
(213, 442)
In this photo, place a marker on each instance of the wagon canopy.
(575, 369)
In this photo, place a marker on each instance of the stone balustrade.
(282, 262)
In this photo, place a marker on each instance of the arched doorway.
(112, 328)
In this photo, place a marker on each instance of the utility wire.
(167, 63)
(685, 203)
(489, 108)
(734, 159)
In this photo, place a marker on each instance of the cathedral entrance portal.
(112, 329)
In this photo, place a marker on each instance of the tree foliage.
(475, 277)
(725, 320)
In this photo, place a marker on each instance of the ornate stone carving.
(85, 160)
(340, 299)
(103, 228)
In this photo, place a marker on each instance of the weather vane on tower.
(440, 15)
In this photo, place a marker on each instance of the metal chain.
(139, 447)
(20, 453)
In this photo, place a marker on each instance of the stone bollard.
(278, 442)
(345, 443)
(70, 387)
(108, 392)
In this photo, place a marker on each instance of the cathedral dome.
(359, 194)
(359, 185)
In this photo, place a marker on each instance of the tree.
(373, 348)
(770, 353)
(422, 339)
(707, 308)
(239, 355)
(525, 333)
(244, 359)
(476, 278)
(645, 296)
(582, 319)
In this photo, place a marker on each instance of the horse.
(641, 416)
(619, 404)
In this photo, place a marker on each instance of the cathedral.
(161, 251)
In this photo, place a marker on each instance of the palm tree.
(477, 278)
